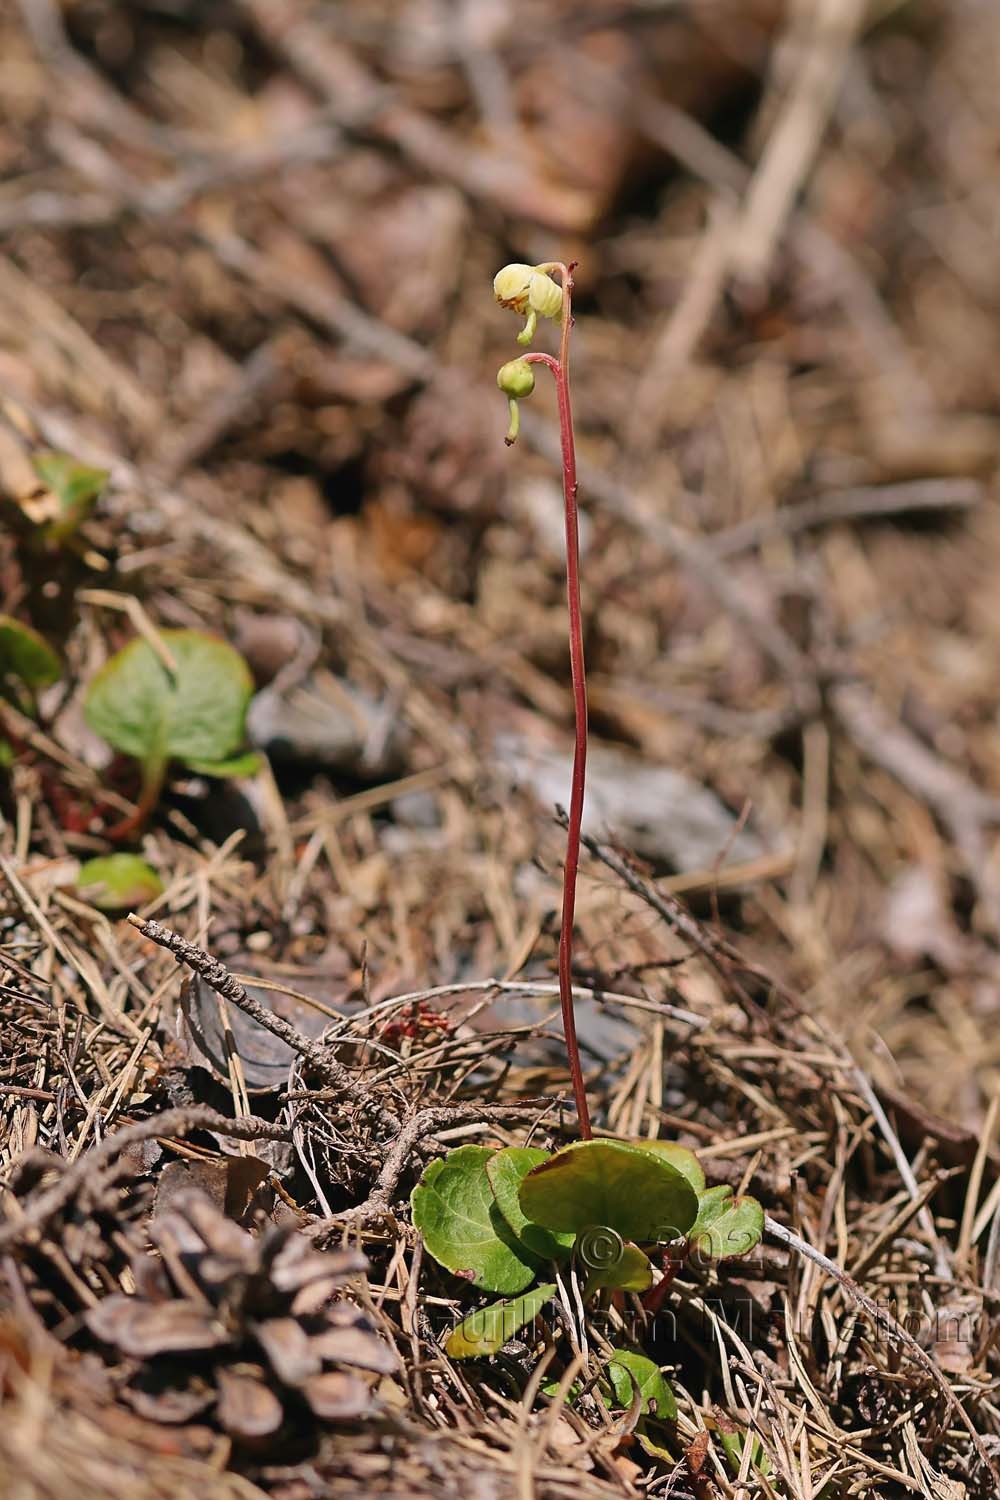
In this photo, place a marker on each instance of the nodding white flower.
(516, 378)
(530, 292)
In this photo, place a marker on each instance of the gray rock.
(660, 813)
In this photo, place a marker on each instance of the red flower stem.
(153, 776)
(560, 372)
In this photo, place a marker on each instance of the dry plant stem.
(883, 1320)
(423, 1125)
(560, 373)
(83, 1172)
(219, 979)
(679, 920)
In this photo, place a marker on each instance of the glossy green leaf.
(629, 1271)
(628, 1370)
(196, 714)
(118, 882)
(484, 1332)
(27, 655)
(76, 487)
(610, 1185)
(678, 1156)
(726, 1227)
(464, 1230)
(506, 1171)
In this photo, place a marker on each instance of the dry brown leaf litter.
(254, 286)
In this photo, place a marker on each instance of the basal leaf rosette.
(494, 1217)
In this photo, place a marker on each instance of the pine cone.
(252, 1326)
(88, 1243)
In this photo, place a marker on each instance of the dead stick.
(423, 1124)
(170, 1122)
(219, 979)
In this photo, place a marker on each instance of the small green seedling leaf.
(630, 1271)
(678, 1156)
(726, 1227)
(550, 1388)
(734, 1443)
(613, 1186)
(464, 1230)
(644, 1431)
(627, 1371)
(733, 1448)
(482, 1333)
(506, 1171)
(195, 714)
(27, 655)
(76, 488)
(247, 764)
(118, 882)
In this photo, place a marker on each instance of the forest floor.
(247, 253)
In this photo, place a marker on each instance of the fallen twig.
(423, 1124)
(82, 1173)
(864, 503)
(219, 979)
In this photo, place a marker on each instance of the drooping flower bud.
(516, 379)
(529, 291)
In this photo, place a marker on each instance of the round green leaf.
(506, 1171)
(454, 1209)
(678, 1156)
(118, 882)
(27, 655)
(628, 1370)
(196, 714)
(726, 1227)
(629, 1271)
(611, 1185)
(484, 1332)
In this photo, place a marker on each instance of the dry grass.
(259, 295)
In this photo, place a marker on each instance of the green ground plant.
(516, 1221)
(185, 702)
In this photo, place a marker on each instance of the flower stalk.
(530, 291)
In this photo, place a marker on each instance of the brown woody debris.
(261, 1310)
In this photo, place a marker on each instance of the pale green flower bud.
(516, 378)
